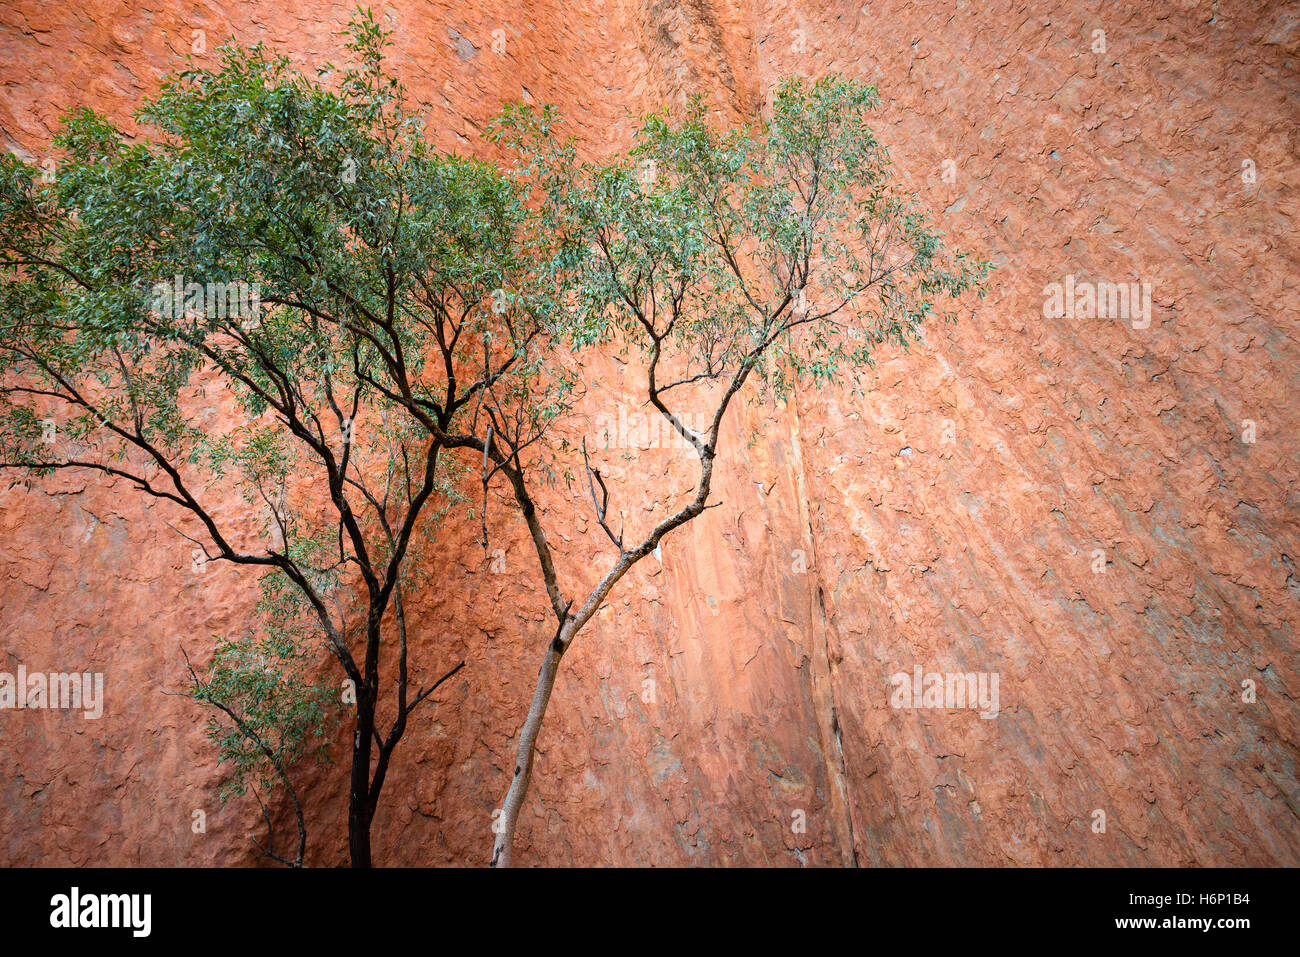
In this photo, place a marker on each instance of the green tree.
(779, 253)
(276, 710)
(386, 300)
(410, 304)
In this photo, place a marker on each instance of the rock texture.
(1072, 504)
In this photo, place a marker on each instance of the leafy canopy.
(712, 247)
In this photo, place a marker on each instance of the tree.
(783, 250)
(357, 306)
(264, 686)
(293, 255)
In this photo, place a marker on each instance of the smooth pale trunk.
(501, 852)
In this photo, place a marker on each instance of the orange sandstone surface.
(1075, 505)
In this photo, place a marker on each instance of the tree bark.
(570, 625)
(359, 791)
(504, 843)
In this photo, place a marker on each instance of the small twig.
(269, 849)
(601, 504)
(424, 694)
(487, 445)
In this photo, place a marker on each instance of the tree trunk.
(570, 625)
(504, 843)
(359, 814)
(358, 835)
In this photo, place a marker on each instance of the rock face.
(1100, 513)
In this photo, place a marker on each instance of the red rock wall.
(949, 519)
